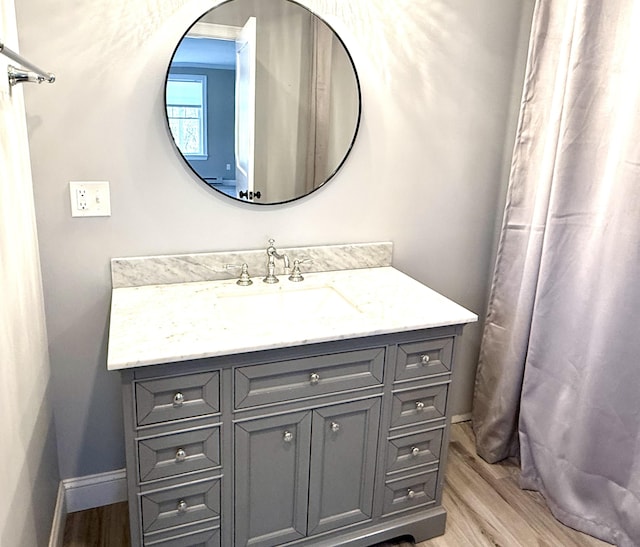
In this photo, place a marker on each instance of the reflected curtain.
(319, 104)
(558, 379)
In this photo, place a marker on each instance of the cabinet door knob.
(424, 359)
(419, 405)
(178, 400)
(314, 378)
(411, 494)
(335, 427)
(181, 455)
(415, 451)
(182, 506)
(287, 437)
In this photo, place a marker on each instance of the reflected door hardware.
(246, 194)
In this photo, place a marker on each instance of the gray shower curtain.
(559, 374)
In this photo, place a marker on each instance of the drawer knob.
(287, 437)
(411, 494)
(182, 506)
(335, 427)
(424, 359)
(181, 455)
(419, 405)
(314, 378)
(178, 400)
(415, 451)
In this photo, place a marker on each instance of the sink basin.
(304, 304)
(184, 321)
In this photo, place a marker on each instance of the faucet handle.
(244, 279)
(296, 274)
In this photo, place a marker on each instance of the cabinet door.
(271, 479)
(343, 460)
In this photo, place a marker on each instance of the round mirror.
(262, 100)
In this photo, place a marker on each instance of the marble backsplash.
(160, 270)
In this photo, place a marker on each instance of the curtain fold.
(319, 105)
(559, 373)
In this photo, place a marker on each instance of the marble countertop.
(182, 321)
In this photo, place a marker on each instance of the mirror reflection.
(262, 100)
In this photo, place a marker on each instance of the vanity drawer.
(420, 359)
(177, 453)
(177, 397)
(404, 494)
(206, 538)
(181, 505)
(286, 380)
(419, 405)
(413, 450)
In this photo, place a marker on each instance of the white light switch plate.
(90, 199)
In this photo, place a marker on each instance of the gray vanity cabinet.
(271, 479)
(334, 443)
(343, 461)
(304, 473)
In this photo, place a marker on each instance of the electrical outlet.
(81, 199)
(90, 199)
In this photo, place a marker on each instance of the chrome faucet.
(272, 254)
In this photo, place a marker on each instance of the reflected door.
(245, 109)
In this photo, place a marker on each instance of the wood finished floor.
(485, 507)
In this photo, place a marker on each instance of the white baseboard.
(461, 418)
(82, 493)
(59, 518)
(95, 490)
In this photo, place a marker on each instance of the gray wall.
(29, 471)
(427, 171)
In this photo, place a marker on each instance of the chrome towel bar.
(27, 71)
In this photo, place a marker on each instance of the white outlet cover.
(90, 198)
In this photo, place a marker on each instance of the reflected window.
(187, 112)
